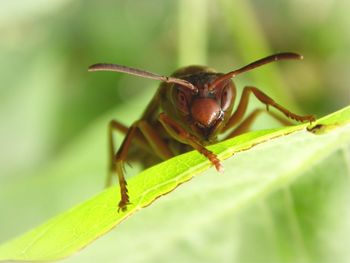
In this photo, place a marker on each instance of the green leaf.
(278, 158)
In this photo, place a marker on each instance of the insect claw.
(220, 168)
(312, 118)
(123, 206)
(121, 209)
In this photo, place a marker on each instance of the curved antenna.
(140, 73)
(255, 64)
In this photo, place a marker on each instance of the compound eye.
(182, 101)
(226, 98)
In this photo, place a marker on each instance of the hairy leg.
(148, 138)
(245, 125)
(261, 96)
(179, 134)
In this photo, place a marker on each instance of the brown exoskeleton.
(190, 109)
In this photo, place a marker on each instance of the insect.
(190, 109)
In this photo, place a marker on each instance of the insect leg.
(244, 126)
(153, 142)
(117, 126)
(179, 134)
(117, 166)
(157, 144)
(242, 107)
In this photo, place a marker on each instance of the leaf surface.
(278, 158)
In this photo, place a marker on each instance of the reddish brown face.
(206, 109)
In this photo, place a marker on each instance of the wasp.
(190, 109)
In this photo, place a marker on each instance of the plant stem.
(192, 32)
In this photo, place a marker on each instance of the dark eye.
(182, 101)
(226, 98)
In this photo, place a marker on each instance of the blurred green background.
(49, 102)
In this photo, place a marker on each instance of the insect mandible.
(190, 109)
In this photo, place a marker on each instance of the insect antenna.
(141, 73)
(255, 64)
